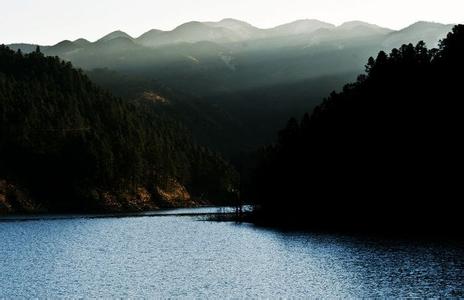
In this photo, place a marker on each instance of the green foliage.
(62, 137)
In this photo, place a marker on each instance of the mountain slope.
(196, 53)
(236, 66)
(242, 30)
(191, 32)
(76, 148)
(430, 33)
(298, 27)
(114, 35)
(383, 154)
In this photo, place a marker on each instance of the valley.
(232, 84)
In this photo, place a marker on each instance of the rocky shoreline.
(17, 200)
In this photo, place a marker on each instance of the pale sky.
(50, 21)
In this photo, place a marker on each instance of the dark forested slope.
(234, 84)
(385, 152)
(73, 147)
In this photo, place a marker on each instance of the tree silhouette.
(385, 152)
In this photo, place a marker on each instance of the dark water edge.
(208, 212)
(275, 222)
(380, 226)
(249, 216)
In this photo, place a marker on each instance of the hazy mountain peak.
(114, 35)
(198, 31)
(63, 48)
(81, 40)
(63, 43)
(153, 31)
(308, 22)
(361, 29)
(120, 41)
(353, 24)
(230, 21)
(300, 27)
(231, 30)
(151, 34)
(420, 25)
(190, 32)
(190, 25)
(429, 32)
(240, 29)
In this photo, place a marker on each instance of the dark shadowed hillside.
(232, 83)
(67, 145)
(386, 152)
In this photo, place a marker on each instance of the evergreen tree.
(62, 138)
(385, 152)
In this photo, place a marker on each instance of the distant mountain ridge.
(248, 80)
(114, 35)
(232, 30)
(429, 32)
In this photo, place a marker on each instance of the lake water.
(184, 256)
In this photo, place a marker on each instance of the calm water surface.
(182, 256)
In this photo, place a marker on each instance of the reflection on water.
(179, 256)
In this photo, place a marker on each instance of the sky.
(47, 22)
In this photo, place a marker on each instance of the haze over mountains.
(232, 83)
(232, 30)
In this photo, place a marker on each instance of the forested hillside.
(232, 83)
(385, 152)
(71, 146)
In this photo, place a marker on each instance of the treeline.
(386, 152)
(62, 138)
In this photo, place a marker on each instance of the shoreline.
(163, 212)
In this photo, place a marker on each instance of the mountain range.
(232, 83)
(232, 30)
